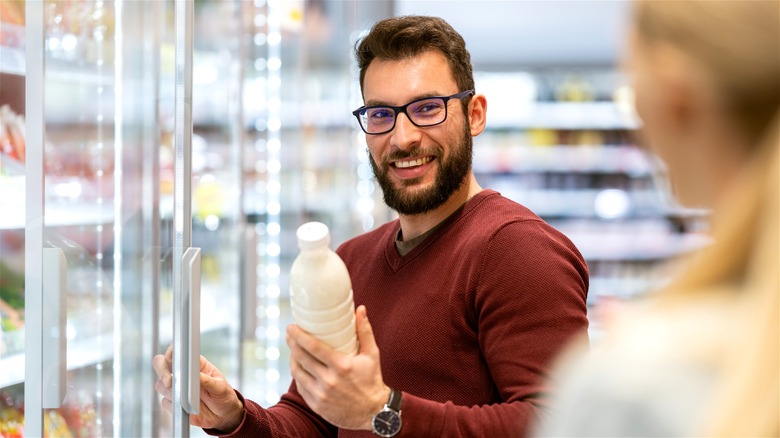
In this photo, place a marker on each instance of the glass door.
(84, 261)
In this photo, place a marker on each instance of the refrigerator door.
(96, 269)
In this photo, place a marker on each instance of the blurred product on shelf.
(11, 35)
(11, 12)
(11, 416)
(575, 88)
(54, 425)
(76, 417)
(11, 309)
(79, 30)
(80, 415)
(12, 138)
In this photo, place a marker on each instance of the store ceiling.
(504, 34)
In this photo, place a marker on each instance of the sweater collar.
(397, 261)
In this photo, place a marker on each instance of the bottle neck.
(317, 251)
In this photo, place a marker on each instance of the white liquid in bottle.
(321, 290)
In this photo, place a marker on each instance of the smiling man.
(471, 295)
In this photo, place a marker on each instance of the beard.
(450, 176)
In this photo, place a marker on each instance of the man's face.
(417, 168)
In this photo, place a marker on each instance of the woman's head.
(707, 82)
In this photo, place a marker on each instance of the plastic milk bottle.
(321, 291)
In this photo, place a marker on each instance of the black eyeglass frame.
(402, 109)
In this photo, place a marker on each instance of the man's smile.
(411, 162)
(412, 167)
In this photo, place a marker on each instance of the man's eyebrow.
(375, 102)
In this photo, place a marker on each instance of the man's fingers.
(167, 404)
(306, 388)
(162, 367)
(310, 351)
(161, 389)
(365, 334)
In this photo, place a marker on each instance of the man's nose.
(405, 134)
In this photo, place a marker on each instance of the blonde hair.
(738, 42)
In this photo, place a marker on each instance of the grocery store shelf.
(564, 115)
(638, 246)
(623, 288)
(562, 158)
(583, 202)
(13, 61)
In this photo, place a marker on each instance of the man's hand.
(220, 407)
(346, 390)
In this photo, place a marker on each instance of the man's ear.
(477, 109)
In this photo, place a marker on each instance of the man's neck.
(416, 225)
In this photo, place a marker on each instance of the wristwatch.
(387, 422)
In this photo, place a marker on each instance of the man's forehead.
(422, 75)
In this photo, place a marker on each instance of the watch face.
(387, 423)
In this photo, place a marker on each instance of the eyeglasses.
(428, 111)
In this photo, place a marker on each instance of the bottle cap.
(313, 235)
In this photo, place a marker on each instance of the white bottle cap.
(313, 235)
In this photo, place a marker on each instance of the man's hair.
(399, 38)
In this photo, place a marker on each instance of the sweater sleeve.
(529, 304)
(291, 417)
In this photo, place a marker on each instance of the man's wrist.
(235, 419)
(383, 397)
(387, 421)
(377, 405)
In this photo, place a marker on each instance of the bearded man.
(471, 295)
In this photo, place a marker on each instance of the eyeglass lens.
(425, 112)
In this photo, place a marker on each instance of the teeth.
(412, 163)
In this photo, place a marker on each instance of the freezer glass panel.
(100, 108)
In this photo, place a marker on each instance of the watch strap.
(394, 401)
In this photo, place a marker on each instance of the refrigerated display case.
(88, 227)
(78, 229)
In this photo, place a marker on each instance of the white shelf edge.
(12, 61)
(60, 215)
(564, 115)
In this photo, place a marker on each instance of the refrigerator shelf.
(12, 60)
(516, 158)
(58, 215)
(564, 115)
(93, 350)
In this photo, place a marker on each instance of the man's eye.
(428, 107)
(380, 113)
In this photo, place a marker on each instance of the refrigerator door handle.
(54, 352)
(190, 354)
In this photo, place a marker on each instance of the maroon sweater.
(467, 323)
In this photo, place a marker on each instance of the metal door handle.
(190, 354)
(54, 351)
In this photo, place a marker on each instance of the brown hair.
(399, 38)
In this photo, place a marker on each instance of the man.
(471, 296)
